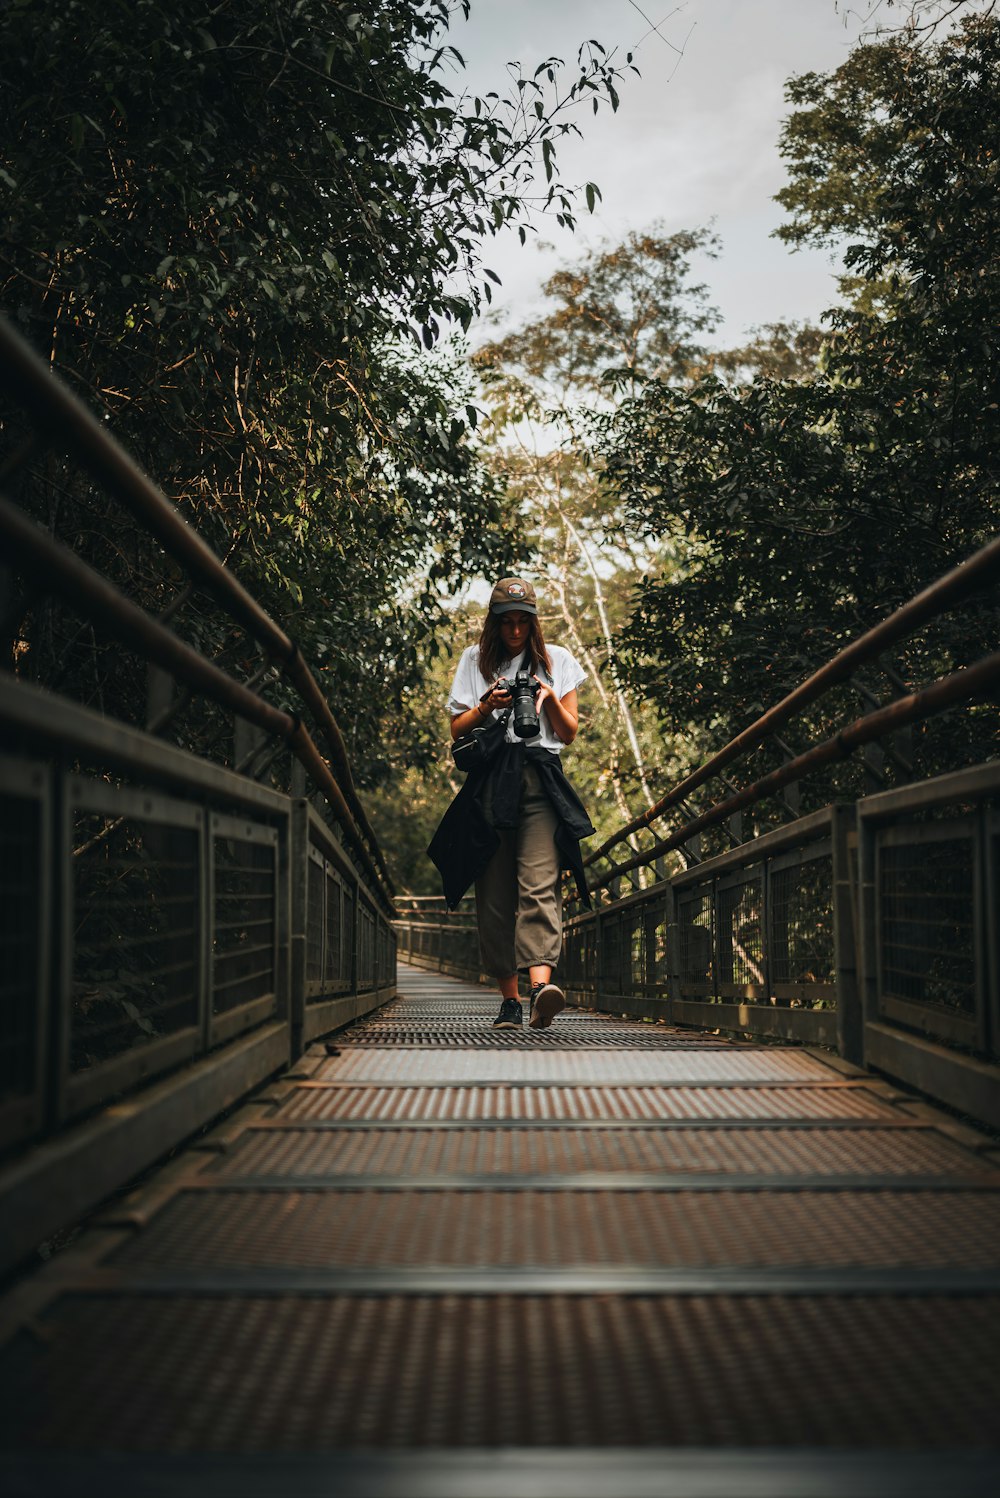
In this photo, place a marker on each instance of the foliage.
(776, 351)
(225, 223)
(622, 314)
(801, 512)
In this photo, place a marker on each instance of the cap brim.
(510, 608)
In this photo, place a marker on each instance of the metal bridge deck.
(613, 1258)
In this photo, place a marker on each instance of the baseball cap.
(513, 593)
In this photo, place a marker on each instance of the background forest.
(250, 235)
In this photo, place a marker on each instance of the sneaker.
(546, 1001)
(510, 1016)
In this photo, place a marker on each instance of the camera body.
(523, 690)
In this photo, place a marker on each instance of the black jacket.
(489, 801)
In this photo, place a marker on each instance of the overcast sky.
(695, 139)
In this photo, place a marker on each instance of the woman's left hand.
(562, 712)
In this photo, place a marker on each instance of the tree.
(226, 224)
(617, 317)
(622, 314)
(777, 351)
(804, 511)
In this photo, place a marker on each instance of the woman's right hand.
(479, 716)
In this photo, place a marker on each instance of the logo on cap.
(515, 591)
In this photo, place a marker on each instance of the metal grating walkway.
(611, 1259)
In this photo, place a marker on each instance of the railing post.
(598, 953)
(297, 926)
(984, 933)
(673, 950)
(206, 910)
(866, 916)
(355, 935)
(61, 972)
(850, 1019)
(283, 933)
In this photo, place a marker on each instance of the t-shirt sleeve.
(464, 688)
(568, 673)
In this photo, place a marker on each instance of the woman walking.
(517, 822)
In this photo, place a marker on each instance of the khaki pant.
(519, 897)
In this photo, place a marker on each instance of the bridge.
(282, 1213)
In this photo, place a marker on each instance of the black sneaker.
(510, 1017)
(546, 1001)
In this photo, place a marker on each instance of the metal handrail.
(979, 569)
(59, 570)
(960, 686)
(64, 417)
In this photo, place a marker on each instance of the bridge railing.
(432, 936)
(175, 926)
(869, 925)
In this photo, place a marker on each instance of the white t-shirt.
(470, 684)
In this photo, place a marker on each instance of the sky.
(694, 141)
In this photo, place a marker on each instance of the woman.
(516, 823)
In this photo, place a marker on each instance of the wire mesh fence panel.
(588, 954)
(470, 948)
(800, 936)
(336, 971)
(366, 947)
(695, 954)
(459, 946)
(315, 921)
(386, 954)
(611, 953)
(22, 842)
(634, 945)
(347, 934)
(740, 935)
(579, 957)
(926, 931)
(244, 917)
(136, 931)
(656, 938)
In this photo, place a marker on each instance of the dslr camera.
(523, 690)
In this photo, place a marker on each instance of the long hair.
(493, 651)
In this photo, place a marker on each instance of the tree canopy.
(797, 513)
(619, 315)
(231, 225)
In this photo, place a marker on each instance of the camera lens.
(525, 712)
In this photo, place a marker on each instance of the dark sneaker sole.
(548, 1003)
(508, 1024)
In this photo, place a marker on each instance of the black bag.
(473, 751)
